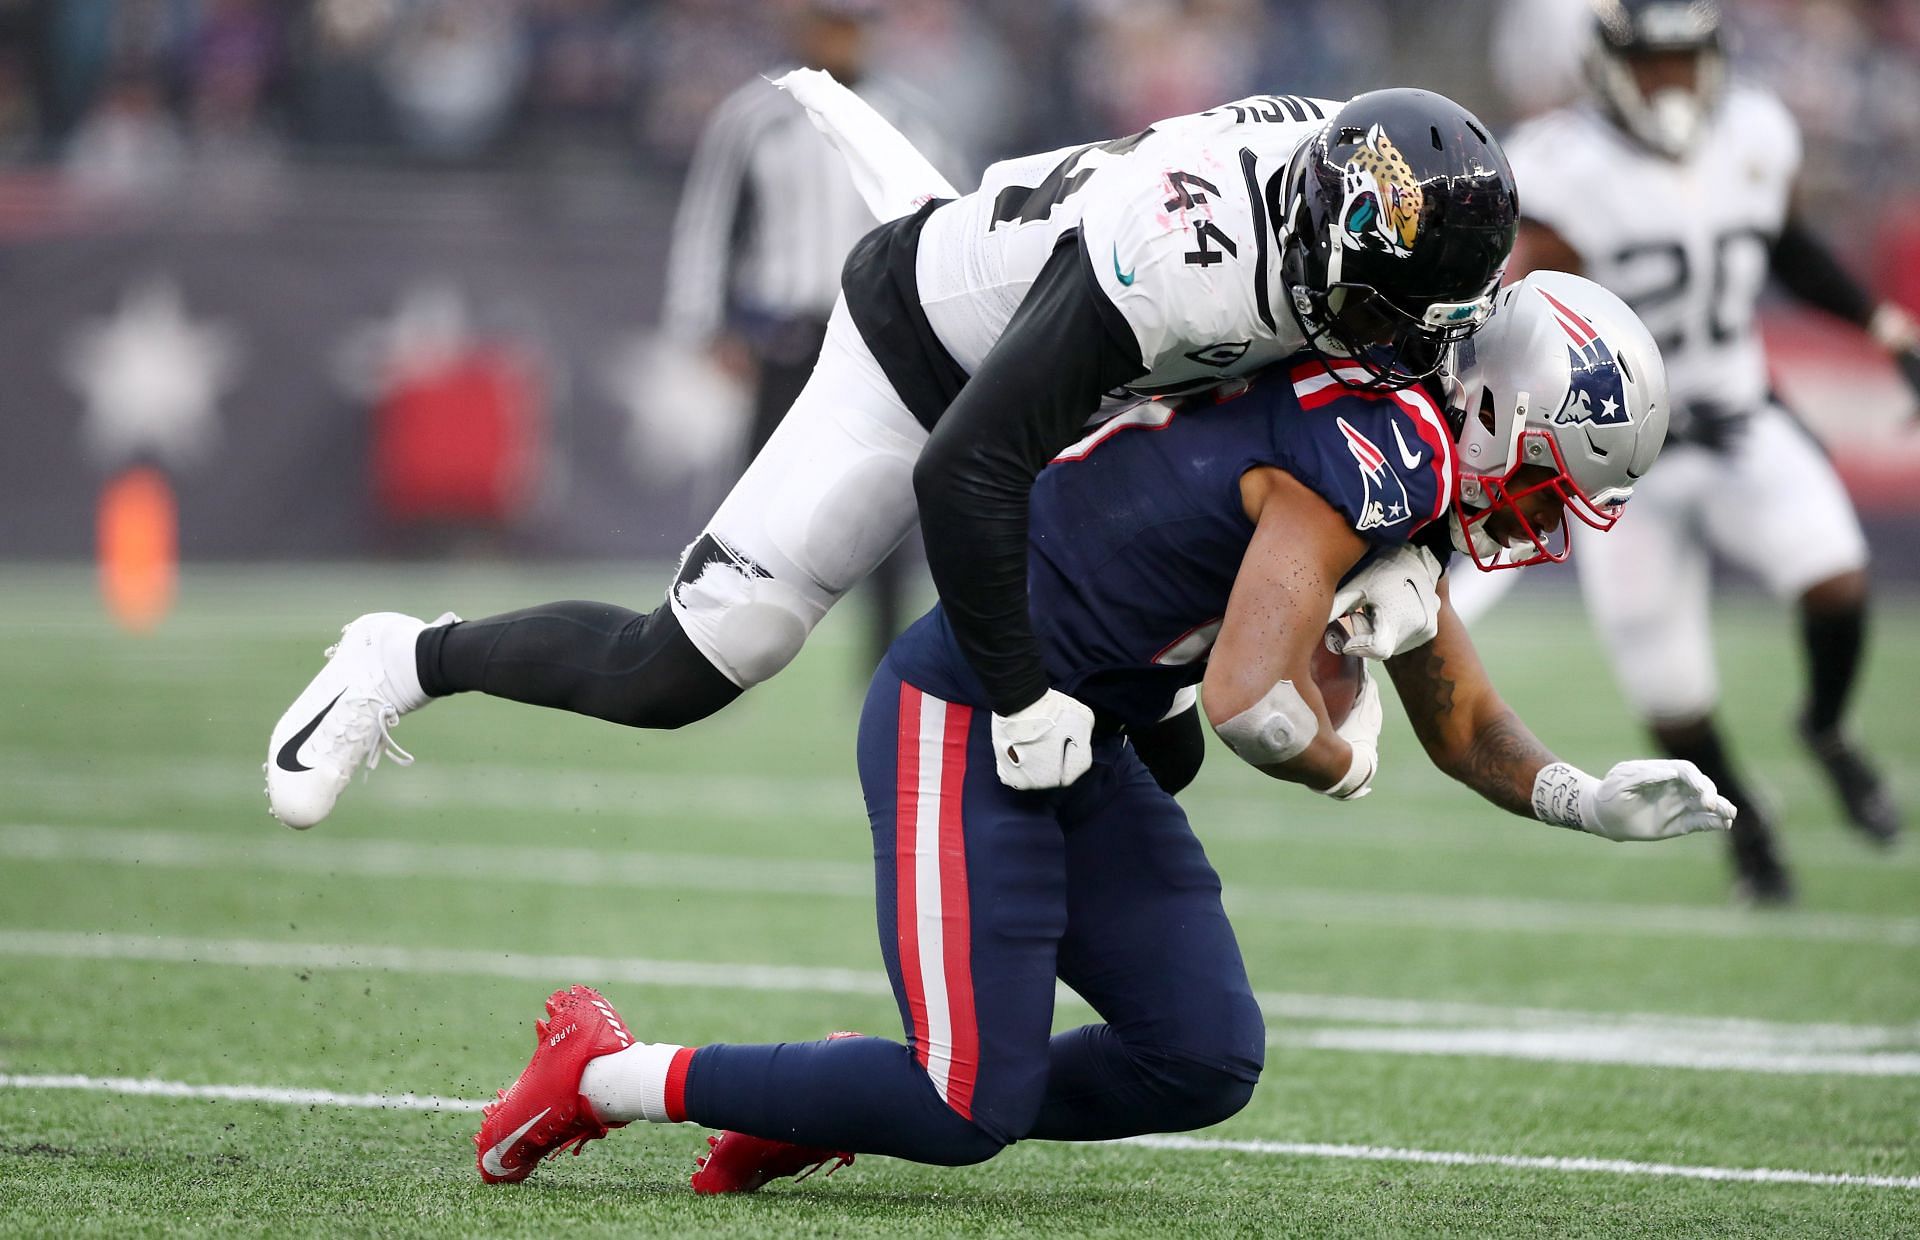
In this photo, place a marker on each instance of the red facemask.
(1503, 495)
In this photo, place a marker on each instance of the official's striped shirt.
(769, 210)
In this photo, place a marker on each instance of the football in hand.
(1338, 676)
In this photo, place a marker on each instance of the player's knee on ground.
(1197, 1095)
(748, 623)
(961, 1143)
(1197, 1090)
(1206, 1073)
(1001, 1110)
(998, 1116)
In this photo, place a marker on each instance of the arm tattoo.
(1502, 756)
(1426, 692)
(1501, 763)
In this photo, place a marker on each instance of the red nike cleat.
(542, 1112)
(738, 1163)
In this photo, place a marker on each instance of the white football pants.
(822, 504)
(1772, 505)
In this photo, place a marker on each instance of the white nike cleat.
(342, 720)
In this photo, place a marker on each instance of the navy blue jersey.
(1137, 531)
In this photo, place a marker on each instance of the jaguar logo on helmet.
(1596, 393)
(1390, 247)
(1383, 198)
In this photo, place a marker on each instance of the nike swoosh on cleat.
(1410, 459)
(288, 759)
(1125, 277)
(492, 1159)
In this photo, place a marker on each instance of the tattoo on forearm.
(1501, 763)
(1502, 756)
(1425, 690)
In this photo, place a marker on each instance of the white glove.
(1646, 799)
(1391, 606)
(1047, 745)
(1362, 732)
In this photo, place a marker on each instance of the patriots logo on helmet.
(1596, 393)
(1384, 501)
(1383, 198)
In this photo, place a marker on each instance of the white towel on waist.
(892, 176)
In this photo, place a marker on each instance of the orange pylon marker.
(139, 548)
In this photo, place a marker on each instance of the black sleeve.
(1031, 396)
(1806, 268)
(1172, 750)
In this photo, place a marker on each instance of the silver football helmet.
(1563, 389)
(1668, 119)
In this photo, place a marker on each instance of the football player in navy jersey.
(1167, 550)
(977, 335)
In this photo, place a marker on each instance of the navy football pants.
(985, 897)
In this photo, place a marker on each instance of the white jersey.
(1685, 242)
(1174, 221)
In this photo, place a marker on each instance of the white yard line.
(1509, 915)
(1526, 1033)
(1620, 1046)
(283, 852)
(1727, 1031)
(147, 1087)
(1448, 1158)
(150, 1088)
(279, 851)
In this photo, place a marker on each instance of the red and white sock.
(646, 1081)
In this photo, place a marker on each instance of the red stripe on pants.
(958, 926)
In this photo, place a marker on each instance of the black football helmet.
(1394, 222)
(1668, 120)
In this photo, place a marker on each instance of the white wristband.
(1564, 796)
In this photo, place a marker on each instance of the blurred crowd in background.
(130, 94)
(130, 88)
(243, 237)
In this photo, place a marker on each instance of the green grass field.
(1479, 1025)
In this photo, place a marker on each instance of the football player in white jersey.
(975, 338)
(1673, 187)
